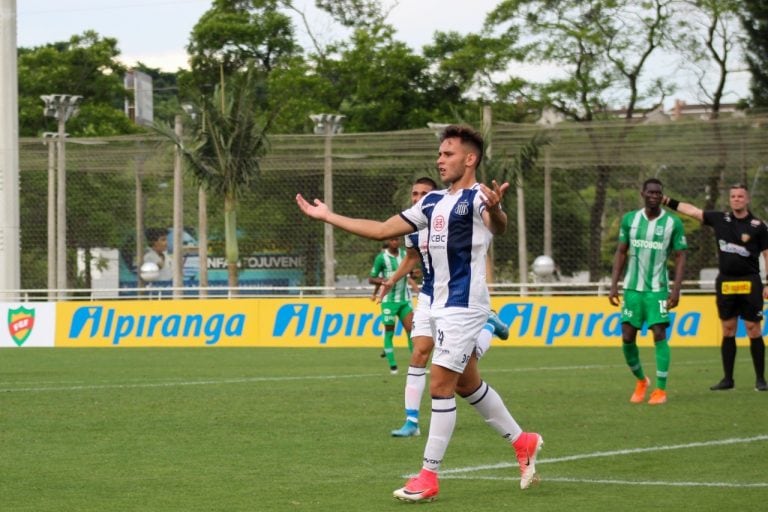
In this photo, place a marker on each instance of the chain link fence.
(118, 187)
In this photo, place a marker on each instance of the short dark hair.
(468, 135)
(154, 234)
(426, 180)
(649, 181)
(739, 185)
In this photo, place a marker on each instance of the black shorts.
(739, 296)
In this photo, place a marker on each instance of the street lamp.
(328, 125)
(61, 107)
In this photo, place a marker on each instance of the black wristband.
(672, 204)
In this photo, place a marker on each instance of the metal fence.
(109, 180)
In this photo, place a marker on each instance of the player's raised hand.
(494, 194)
(318, 210)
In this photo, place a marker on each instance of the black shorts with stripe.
(740, 296)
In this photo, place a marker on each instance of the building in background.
(139, 106)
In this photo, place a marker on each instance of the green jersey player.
(647, 238)
(395, 304)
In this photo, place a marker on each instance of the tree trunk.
(703, 257)
(230, 238)
(596, 223)
(202, 239)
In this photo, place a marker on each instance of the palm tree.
(223, 153)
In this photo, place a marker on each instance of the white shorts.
(421, 324)
(456, 331)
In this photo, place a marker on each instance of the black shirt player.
(741, 238)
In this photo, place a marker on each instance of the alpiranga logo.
(21, 321)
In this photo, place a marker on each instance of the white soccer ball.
(149, 271)
(543, 266)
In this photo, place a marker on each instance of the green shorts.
(645, 307)
(391, 311)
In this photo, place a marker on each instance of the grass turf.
(259, 429)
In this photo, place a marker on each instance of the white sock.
(489, 404)
(415, 383)
(440, 432)
(483, 342)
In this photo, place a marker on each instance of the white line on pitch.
(187, 383)
(170, 383)
(613, 453)
(601, 481)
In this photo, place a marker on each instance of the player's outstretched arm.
(376, 230)
(684, 208)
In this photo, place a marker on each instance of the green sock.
(632, 357)
(388, 348)
(662, 363)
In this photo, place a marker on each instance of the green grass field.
(256, 429)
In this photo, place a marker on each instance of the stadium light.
(328, 125)
(437, 128)
(61, 107)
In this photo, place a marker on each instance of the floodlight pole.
(9, 154)
(328, 125)
(61, 107)
(48, 140)
(178, 214)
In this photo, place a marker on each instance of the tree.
(602, 48)
(295, 92)
(85, 65)
(380, 83)
(712, 41)
(464, 65)
(228, 141)
(238, 34)
(356, 13)
(754, 18)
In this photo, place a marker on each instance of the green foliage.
(755, 21)
(380, 83)
(296, 92)
(89, 223)
(465, 65)
(355, 13)
(85, 65)
(229, 139)
(234, 35)
(513, 168)
(600, 47)
(33, 191)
